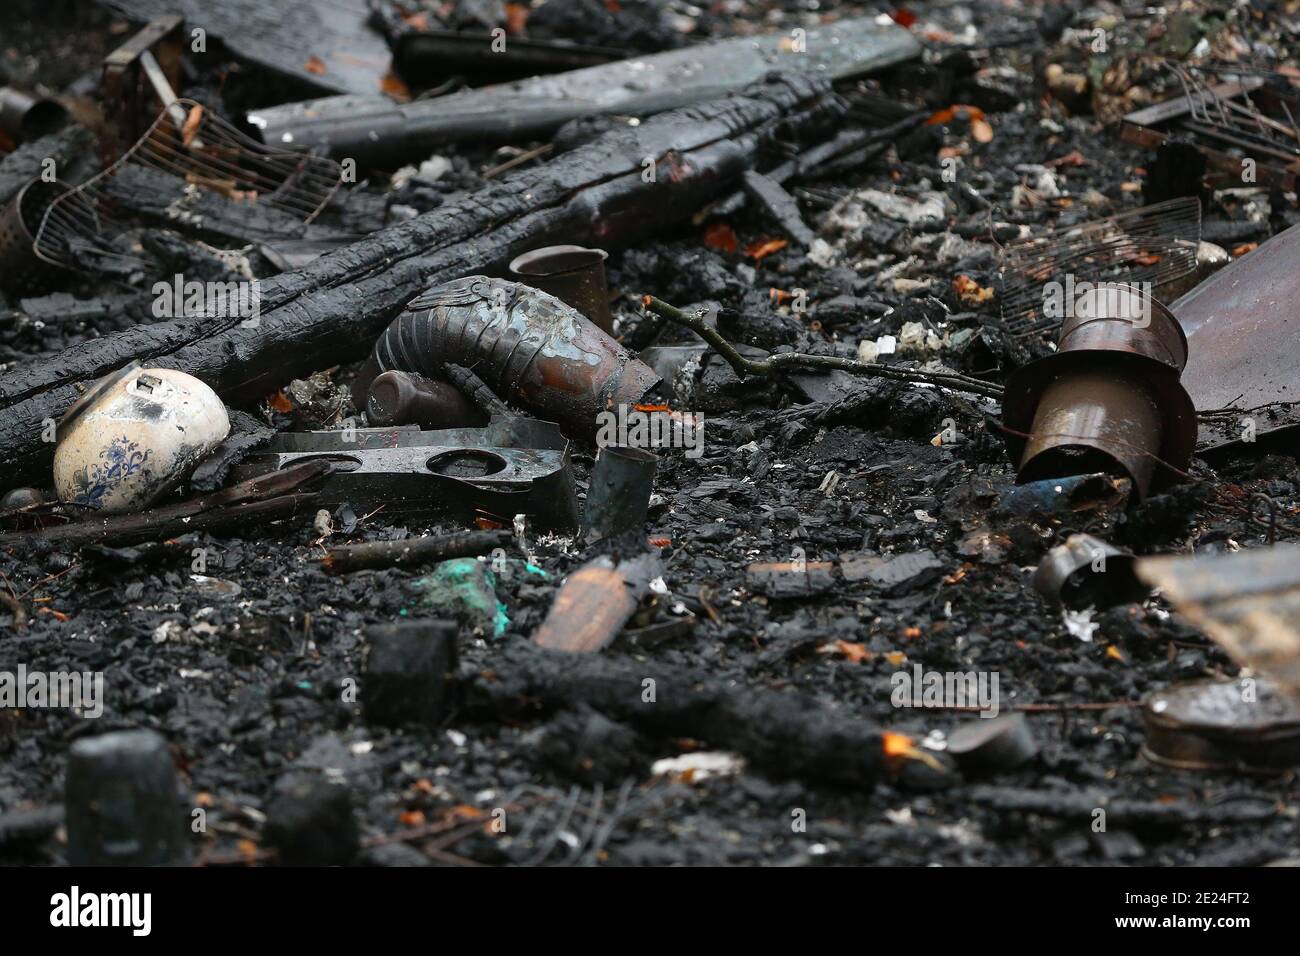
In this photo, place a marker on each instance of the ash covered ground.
(242, 667)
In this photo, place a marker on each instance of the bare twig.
(775, 364)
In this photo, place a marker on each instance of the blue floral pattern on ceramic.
(119, 461)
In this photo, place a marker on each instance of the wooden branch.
(782, 361)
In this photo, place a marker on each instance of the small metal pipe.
(573, 275)
(405, 398)
(27, 116)
(618, 496)
(1088, 572)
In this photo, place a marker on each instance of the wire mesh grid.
(1155, 244)
(199, 150)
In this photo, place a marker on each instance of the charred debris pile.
(585, 433)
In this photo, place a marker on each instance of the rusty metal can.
(572, 274)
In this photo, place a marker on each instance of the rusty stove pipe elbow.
(532, 349)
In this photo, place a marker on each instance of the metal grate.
(1155, 244)
(194, 150)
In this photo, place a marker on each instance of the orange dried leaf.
(1244, 248)
(1073, 158)
(191, 127)
(394, 86)
(761, 250)
(972, 113)
(279, 402)
(912, 632)
(896, 745)
(660, 542)
(778, 296)
(516, 18)
(903, 17)
(1146, 258)
(719, 235)
(857, 653)
(315, 65)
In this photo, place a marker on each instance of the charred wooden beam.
(371, 129)
(331, 310)
(784, 734)
(265, 498)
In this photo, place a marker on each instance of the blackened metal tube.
(618, 497)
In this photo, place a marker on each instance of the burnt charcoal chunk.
(408, 672)
(311, 823)
(590, 748)
(122, 807)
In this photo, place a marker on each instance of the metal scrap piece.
(1241, 327)
(1088, 572)
(1222, 725)
(513, 466)
(1108, 399)
(1248, 603)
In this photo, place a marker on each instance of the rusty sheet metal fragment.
(1248, 603)
(1242, 328)
(1222, 725)
(595, 602)
(374, 129)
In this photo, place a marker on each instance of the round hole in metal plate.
(467, 463)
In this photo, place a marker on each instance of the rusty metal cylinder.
(25, 116)
(1109, 399)
(21, 271)
(572, 274)
(529, 347)
(1090, 421)
(1116, 317)
(405, 398)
